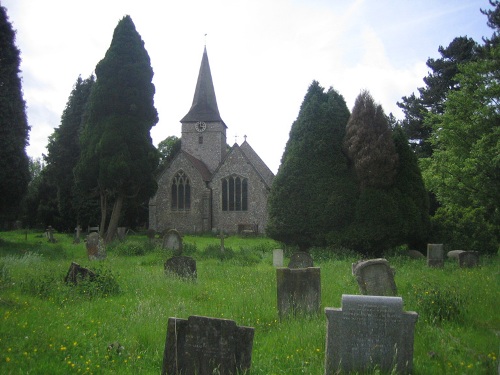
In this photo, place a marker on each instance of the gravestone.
(453, 254)
(203, 345)
(369, 332)
(435, 255)
(468, 259)
(300, 259)
(50, 234)
(415, 254)
(77, 273)
(95, 247)
(78, 231)
(121, 233)
(278, 258)
(375, 277)
(173, 241)
(181, 266)
(298, 291)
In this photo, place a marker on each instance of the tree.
(118, 158)
(464, 170)
(369, 144)
(14, 129)
(168, 149)
(64, 153)
(431, 98)
(493, 22)
(312, 191)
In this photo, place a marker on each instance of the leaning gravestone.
(181, 266)
(468, 259)
(369, 332)
(278, 258)
(203, 345)
(435, 255)
(453, 254)
(173, 241)
(300, 259)
(77, 273)
(95, 247)
(375, 277)
(298, 291)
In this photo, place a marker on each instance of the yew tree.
(118, 158)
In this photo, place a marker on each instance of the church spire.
(204, 107)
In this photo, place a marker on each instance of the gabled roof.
(204, 107)
(258, 163)
(199, 165)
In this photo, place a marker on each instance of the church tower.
(203, 131)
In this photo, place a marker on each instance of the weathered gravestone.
(202, 345)
(278, 258)
(435, 255)
(173, 241)
(95, 247)
(299, 291)
(375, 277)
(415, 254)
(50, 234)
(300, 259)
(468, 259)
(77, 273)
(369, 332)
(181, 266)
(453, 254)
(121, 233)
(78, 232)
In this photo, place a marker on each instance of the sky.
(263, 55)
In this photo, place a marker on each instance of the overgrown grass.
(118, 324)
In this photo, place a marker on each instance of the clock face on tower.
(200, 126)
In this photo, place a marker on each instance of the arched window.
(234, 193)
(181, 192)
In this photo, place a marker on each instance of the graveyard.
(116, 321)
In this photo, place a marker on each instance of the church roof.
(199, 165)
(258, 163)
(204, 107)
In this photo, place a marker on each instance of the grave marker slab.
(369, 332)
(77, 273)
(435, 255)
(202, 345)
(375, 277)
(173, 241)
(299, 291)
(300, 259)
(181, 266)
(278, 258)
(453, 254)
(95, 247)
(468, 259)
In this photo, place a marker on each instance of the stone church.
(210, 186)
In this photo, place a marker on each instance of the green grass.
(50, 327)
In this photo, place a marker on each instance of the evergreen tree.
(493, 22)
(312, 191)
(168, 149)
(369, 144)
(14, 129)
(118, 158)
(64, 153)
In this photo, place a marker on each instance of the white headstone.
(278, 258)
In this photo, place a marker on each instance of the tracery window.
(234, 193)
(181, 192)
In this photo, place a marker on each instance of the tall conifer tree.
(310, 194)
(14, 129)
(118, 158)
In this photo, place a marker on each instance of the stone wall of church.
(161, 215)
(237, 164)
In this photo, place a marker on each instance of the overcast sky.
(263, 54)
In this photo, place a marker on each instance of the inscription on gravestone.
(300, 259)
(435, 255)
(299, 291)
(375, 277)
(203, 345)
(369, 332)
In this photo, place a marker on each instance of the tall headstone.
(95, 247)
(202, 345)
(278, 258)
(181, 266)
(173, 241)
(50, 234)
(298, 291)
(300, 259)
(435, 255)
(369, 332)
(468, 259)
(78, 232)
(375, 277)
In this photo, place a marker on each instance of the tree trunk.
(115, 217)
(104, 209)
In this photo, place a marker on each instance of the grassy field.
(118, 323)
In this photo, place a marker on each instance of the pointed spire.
(204, 107)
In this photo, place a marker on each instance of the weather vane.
(205, 39)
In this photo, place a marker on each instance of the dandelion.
(7, 359)
(138, 357)
(62, 348)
